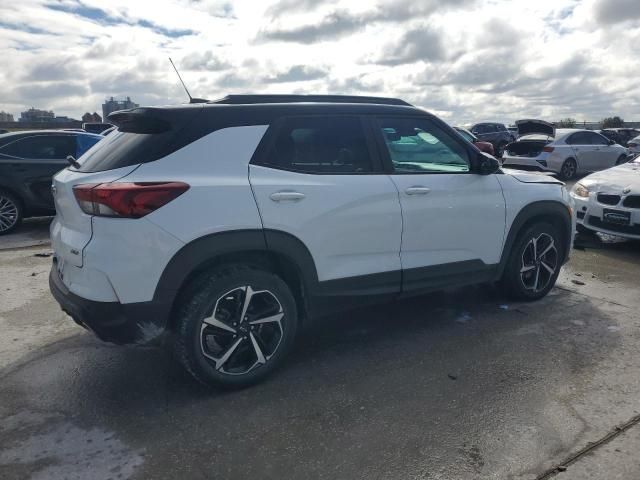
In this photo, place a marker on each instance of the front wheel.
(235, 325)
(534, 263)
(10, 212)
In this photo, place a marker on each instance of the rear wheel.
(10, 212)
(569, 169)
(235, 325)
(534, 263)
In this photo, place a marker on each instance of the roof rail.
(267, 98)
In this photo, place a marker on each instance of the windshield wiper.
(73, 162)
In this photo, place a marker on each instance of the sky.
(464, 60)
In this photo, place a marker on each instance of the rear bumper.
(526, 163)
(112, 321)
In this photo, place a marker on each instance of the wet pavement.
(458, 385)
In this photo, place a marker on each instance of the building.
(6, 117)
(112, 105)
(91, 118)
(34, 115)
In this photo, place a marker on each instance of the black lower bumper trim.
(111, 321)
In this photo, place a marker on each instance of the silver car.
(566, 152)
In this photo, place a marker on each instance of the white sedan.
(566, 152)
(609, 201)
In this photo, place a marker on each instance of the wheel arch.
(275, 251)
(550, 211)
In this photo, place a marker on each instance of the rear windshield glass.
(120, 149)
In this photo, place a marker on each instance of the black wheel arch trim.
(544, 208)
(206, 250)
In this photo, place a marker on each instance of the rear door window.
(324, 145)
(45, 147)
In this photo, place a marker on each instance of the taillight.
(547, 149)
(127, 200)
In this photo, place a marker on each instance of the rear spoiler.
(139, 120)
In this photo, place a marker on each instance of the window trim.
(35, 135)
(471, 150)
(265, 146)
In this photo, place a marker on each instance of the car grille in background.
(612, 227)
(632, 201)
(608, 199)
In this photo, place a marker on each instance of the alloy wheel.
(539, 262)
(243, 332)
(568, 169)
(8, 213)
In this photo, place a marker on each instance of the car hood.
(532, 177)
(531, 126)
(616, 179)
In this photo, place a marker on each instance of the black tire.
(518, 282)
(196, 341)
(622, 159)
(11, 212)
(569, 169)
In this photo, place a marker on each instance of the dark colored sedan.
(28, 161)
(471, 138)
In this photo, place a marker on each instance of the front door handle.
(417, 190)
(286, 196)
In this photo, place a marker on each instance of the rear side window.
(46, 147)
(121, 149)
(579, 138)
(321, 145)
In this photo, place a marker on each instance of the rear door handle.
(417, 190)
(286, 196)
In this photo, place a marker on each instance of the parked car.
(609, 201)
(233, 232)
(634, 146)
(28, 161)
(494, 133)
(565, 152)
(623, 134)
(471, 138)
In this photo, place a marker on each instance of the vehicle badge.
(626, 190)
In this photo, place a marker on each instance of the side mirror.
(486, 164)
(611, 142)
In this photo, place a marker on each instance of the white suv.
(229, 225)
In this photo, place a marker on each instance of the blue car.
(28, 161)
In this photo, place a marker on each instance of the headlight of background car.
(580, 190)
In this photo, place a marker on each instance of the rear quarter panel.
(216, 167)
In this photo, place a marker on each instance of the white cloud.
(465, 59)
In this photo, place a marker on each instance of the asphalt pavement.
(456, 385)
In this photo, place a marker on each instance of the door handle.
(417, 190)
(286, 196)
